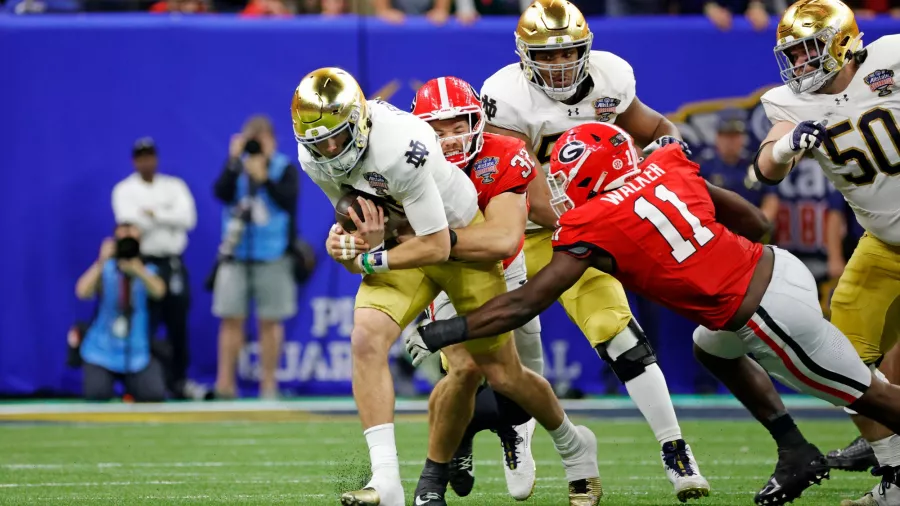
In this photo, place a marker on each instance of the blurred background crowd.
(720, 12)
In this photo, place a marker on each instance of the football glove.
(665, 140)
(415, 346)
(806, 135)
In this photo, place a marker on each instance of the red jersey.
(503, 165)
(661, 230)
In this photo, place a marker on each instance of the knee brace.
(628, 353)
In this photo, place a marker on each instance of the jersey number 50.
(876, 150)
(681, 249)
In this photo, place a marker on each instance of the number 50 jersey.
(660, 229)
(861, 154)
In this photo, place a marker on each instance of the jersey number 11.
(681, 248)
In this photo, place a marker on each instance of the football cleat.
(429, 493)
(585, 492)
(682, 471)
(519, 465)
(364, 497)
(462, 469)
(886, 493)
(857, 456)
(797, 469)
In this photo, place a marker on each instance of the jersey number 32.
(682, 249)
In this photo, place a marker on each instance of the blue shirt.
(733, 177)
(104, 345)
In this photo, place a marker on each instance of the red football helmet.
(449, 98)
(589, 159)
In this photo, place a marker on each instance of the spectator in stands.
(395, 11)
(637, 7)
(272, 8)
(721, 12)
(870, 8)
(180, 6)
(258, 186)
(116, 345)
(727, 166)
(162, 206)
(39, 6)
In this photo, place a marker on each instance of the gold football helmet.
(816, 38)
(550, 25)
(328, 107)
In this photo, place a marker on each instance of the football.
(392, 220)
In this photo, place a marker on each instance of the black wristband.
(453, 238)
(443, 333)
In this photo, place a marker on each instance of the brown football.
(342, 212)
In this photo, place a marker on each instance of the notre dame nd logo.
(416, 156)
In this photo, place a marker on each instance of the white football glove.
(415, 346)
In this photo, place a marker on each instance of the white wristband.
(781, 150)
(380, 247)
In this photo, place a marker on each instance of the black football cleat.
(430, 499)
(857, 456)
(462, 469)
(797, 469)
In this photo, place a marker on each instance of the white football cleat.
(682, 471)
(519, 466)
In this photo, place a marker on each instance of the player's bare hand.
(392, 16)
(132, 266)
(719, 16)
(757, 15)
(416, 348)
(437, 16)
(467, 18)
(236, 146)
(370, 226)
(342, 246)
(107, 249)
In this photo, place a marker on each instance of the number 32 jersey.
(861, 155)
(667, 246)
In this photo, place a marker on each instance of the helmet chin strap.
(560, 96)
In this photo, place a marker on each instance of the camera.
(252, 147)
(127, 248)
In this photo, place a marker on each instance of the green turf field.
(310, 462)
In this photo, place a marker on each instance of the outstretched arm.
(510, 310)
(738, 215)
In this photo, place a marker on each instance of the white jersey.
(404, 164)
(862, 155)
(512, 102)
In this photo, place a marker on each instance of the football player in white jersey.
(840, 104)
(346, 143)
(560, 83)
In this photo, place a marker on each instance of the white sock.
(382, 449)
(651, 394)
(887, 450)
(572, 448)
(566, 438)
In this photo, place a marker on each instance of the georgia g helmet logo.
(571, 151)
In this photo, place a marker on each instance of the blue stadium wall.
(78, 90)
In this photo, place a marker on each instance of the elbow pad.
(758, 173)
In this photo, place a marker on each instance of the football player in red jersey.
(501, 169)
(668, 235)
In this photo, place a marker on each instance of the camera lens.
(252, 147)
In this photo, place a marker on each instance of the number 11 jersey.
(661, 231)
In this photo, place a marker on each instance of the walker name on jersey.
(650, 174)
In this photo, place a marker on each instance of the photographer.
(259, 188)
(116, 345)
(162, 205)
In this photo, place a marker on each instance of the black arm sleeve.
(225, 188)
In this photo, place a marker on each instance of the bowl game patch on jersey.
(378, 183)
(605, 107)
(485, 168)
(881, 80)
